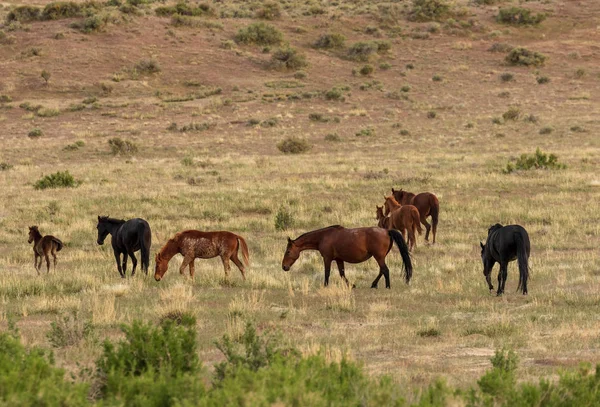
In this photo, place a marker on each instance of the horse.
(382, 220)
(42, 245)
(505, 244)
(352, 246)
(127, 237)
(194, 244)
(427, 204)
(403, 218)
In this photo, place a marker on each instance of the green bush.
(288, 59)
(519, 16)
(61, 9)
(260, 34)
(90, 24)
(538, 160)
(542, 80)
(269, 11)
(24, 14)
(367, 70)
(147, 66)
(335, 93)
(428, 10)
(362, 51)
(523, 56)
(69, 330)
(507, 77)
(5, 166)
(333, 137)
(284, 219)
(500, 47)
(60, 179)
(330, 41)
(35, 133)
(513, 113)
(119, 146)
(366, 132)
(294, 145)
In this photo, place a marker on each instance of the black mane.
(319, 230)
(111, 220)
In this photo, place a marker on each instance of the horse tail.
(59, 244)
(399, 240)
(434, 211)
(145, 241)
(417, 221)
(522, 259)
(244, 250)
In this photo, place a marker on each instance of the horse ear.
(482, 245)
(289, 240)
(393, 190)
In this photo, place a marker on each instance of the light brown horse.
(404, 218)
(352, 246)
(42, 245)
(193, 244)
(427, 204)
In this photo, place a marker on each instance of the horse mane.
(494, 227)
(318, 230)
(111, 220)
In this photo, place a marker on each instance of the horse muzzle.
(99, 242)
(156, 278)
(285, 268)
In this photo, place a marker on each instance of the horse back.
(504, 242)
(131, 232)
(425, 202)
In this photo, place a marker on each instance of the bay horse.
(336, 243)
(382, 220)
(505, 244)
(42, 245)
(427, 204)
(193, 244)
(404, 218)
(127, 237)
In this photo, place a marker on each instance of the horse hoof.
(374, 286)
(353, 286)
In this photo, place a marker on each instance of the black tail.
(145, 236)
(397, 237)
(59, 244)
(434, 211)
(522, 259)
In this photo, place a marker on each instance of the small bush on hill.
(513, 113)
(538, 160)
(333, 137)
(260, 34)
(288, 59)
(57, 180)
(519, 16)
(269, 11)
(93, 23)
(523, 56)
(362, 51)
(284, 219)
(24, 14)
(335, 93)
(119, 146)
(147, 66)
(5, 166)
(367, 70)
(61, 9)
(294, 145)
(542, 80)
(366, 132)
(500, 47)
(507, 77)
(427, 10)
(35, 133)
(330, 41)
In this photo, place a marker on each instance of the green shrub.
(427, 10)
(366, 132)
(519, 16)
(431, 114)
(260, 34)
(335, 93)
(333, 137)
(47, 112)
(367, 70)
(24, 14)
(147, 66)
(60, 179)
(513, 113)
(75, 146)
(288, 59)
(294, 145)
(500, 47)
(538, 160)
(507, 77)
(523, 56)
(362, 51)
(429, 333)
(119, 146)
(35, 133)
(385, 66)
(284, 219)
(579, 73)
(5, 99)
(542, 80)
(546, 130)
(330, 41)
(5, 166)
(269, 11)
(90, 24)
(61, 9)
(69, 330)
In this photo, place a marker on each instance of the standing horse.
(350, 245)
(505, 244)
(194, 244)
(403, 218)
(427, 204)
(382, 220)
(42, 246)
(127, 237)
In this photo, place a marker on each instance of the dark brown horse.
(42, 246)
(427, 204)
(336, 243)
(193, 244)
(404, 218)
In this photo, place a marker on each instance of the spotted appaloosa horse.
(193, 244)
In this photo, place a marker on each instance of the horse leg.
(133, 261)
(239, 264)
(340, 265)
(226, 266)
(500, 283)
(383, 271)
(186, 261)
(488, 279)
(427, 227)
(47, 261)
(53, 252)
(192, 269)
(124, 264)
(504, 269)
(327, 263)
(118, 258)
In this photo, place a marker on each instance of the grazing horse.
(403, 218)
(505, 244)
(42, 246)
(127, 237)
(427, 204)
(193, 244)
(382, 220)
(350, 245)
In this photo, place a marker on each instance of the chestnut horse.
(402, 218)
(42, 246)
(427, 204)
(350, 245)
(194, 244)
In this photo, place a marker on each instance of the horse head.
(33, 231)
(390, 203)
(160, 267)
(292, 252)
(102, 229)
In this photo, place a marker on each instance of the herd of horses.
(399, 221)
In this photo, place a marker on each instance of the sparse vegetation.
(523, 56)
(147, 66)
(366, 132)
(4, 166)
(330, 41)
(294, 145)
(542, 80)
(118, 146)
(366, 70)
(519, 16)
(507, 77)
(259, 34)
(546, 130)
(332, 137)
(364, 50)
(60, 179)
(284, 219)
(513, 113)
(288, 59)
(427, 10)
(35, 133)
(539, 160)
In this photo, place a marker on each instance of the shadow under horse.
(127, 237)
(505, 244)
(336, 243)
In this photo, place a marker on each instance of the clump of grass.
(288, 59)
(519, 16)
(428, 10)
(35, 133)
(197, 127)
(542, 80)
(330, 41)
(270, 122)
(431, 114)
(61, 9)
(366, 132)
(437, 78)
(5, 166)
(147, 66)
(93, 23)
(385, 66)
(523, 56)
(259, 34)
(577, 129)
(500, 47)
(429, 333)
(318, 117)
(269, 11)
(5, 99)
(366, 70)
(579, 73)
(75, 146)
(363, 51)
(69, 330)
(294, 145)
(332, 137)
(546, 130)
(335, 93)
(507, 77)
(24, 14)
(513, 113)
(284, 219)
(118, 146)
(539, 160)
(60, 179)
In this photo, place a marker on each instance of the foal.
(403, 218)
(42, 246)
(194, 244)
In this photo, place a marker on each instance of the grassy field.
(439, 113)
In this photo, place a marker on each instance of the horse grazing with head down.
(505, 244)
(403, 218)
(336, 243)
(427, 204)
(127, 237)
(42, 245)
(193, 244)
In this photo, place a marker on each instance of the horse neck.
(37, 236)
(170, 249)
(310, 240)
(113, 227)
(392, 204)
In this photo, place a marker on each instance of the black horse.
(505, 244)
(127, 237)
